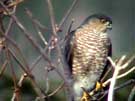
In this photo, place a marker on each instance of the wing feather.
(68, 50)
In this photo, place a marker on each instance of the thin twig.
(126, 73)
(113, 81)
(54, 92)
(111, 61)
(35, 86)
(3, 67)
(119, 66)
(39, 49)
(120, 76)
(30, 38)
(128, 62)
(33, 65)
(52, 18)
(132, 81)
(108, 71)
(47, 80)
(26, 33)
(126, 83)
(68, 13)
(23, 76)
(69, 31)
(16, 94)
(51, 13)
(29, 14)
(132, 94)
(19, 52)
(19, 63)
(5, 32)
(12, 41)
(11, 66)
(12, 5)
(56, 38)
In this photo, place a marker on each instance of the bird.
(86, 51)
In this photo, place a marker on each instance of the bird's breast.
(89, 52)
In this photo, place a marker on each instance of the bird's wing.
(109, 50)
(109, 47)
(109, 44)
(68, 50)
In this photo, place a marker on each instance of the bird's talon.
(85, 97)
(99, 86)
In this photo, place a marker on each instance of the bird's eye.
(103, 20)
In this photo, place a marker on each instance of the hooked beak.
(109, 25)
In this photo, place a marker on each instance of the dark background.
(122, 35)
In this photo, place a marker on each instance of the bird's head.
(99, 22)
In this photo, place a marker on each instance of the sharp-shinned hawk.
(86, 52)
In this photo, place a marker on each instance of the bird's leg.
(88, 95)
(99, 86)
(85, 96)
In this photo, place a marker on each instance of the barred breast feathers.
(91, 45)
